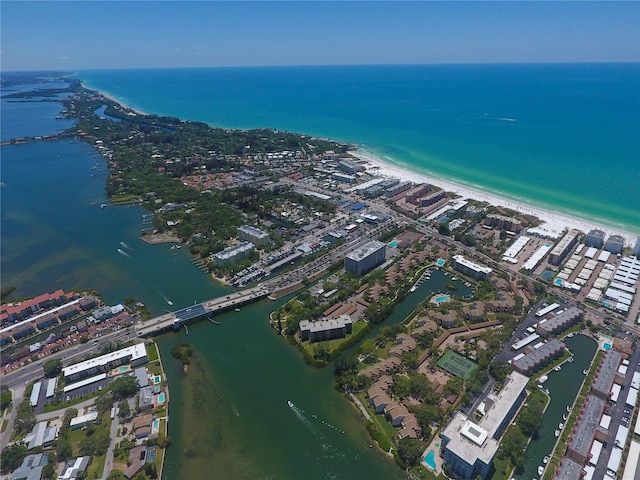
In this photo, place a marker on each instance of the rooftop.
(365, 250)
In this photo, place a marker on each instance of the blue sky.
(119, 34)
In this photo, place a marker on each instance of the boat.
(570, 359)
(564, 417)
(561, 426)
(557, 433)
(413, 289)
(170, 302)
(584, 372)
(104, 205)
(545, 460)
(568, 408)
(543, 379)
(290, 403)
(540, 470)
(557, 369)
(237, 309)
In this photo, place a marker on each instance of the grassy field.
(152, 352)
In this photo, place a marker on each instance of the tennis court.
(457, 365)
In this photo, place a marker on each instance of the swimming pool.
(442, 299)
(123, 369)
(161, 398)
(441, 262)
(430, 459)
(394, 243)
(156, 379)
(156, 424)
(606, 346)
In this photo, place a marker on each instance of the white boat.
(543, 379)
(557, 433)
(290, 403)
(557, 369)
(564, 417)
(540, 470)
(568, 408)
(170, 302)
(413, 289)
(584, 372)
(545, 460)
(561, 426)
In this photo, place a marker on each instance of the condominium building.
(468, 447)
(366, 258)
(232, 255)
(563, 247)
(253, 235)
(325, 329)
(470, 268)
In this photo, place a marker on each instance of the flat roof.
(136, 351)
(633, 457)
(607, 370)
(513, 386)
(567, 470)
(550, 308)
(470, 441)
(463, 447)
(561, 319)
(538, 355)
(473, 266)
(585, 426)
(366, 250)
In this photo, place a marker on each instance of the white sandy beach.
(553, 222)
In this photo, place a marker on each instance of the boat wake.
(124, 245)
(123, 253)
(301, 415)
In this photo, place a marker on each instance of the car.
(75, 348)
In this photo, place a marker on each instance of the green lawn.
(96, 468)
(152, 352)
(4, 425)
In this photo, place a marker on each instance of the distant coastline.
(555, 221)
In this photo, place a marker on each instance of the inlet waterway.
(229, 416)
(563, 386)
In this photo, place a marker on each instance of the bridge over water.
(208, 308)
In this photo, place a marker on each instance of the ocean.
(564, 137)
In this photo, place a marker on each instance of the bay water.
(228, 416)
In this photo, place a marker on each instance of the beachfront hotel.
(563, 247)
(467, 447)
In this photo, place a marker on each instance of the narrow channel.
(563, 386)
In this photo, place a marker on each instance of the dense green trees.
(52, 368)
(12, 457)
(183, 353)
(124, 387)
(5, 397)
(25, 418)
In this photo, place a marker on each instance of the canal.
(563, 386)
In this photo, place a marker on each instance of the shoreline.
(552, 221)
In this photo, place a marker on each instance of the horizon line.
(441, 64)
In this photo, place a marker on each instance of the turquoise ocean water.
(561, 137)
